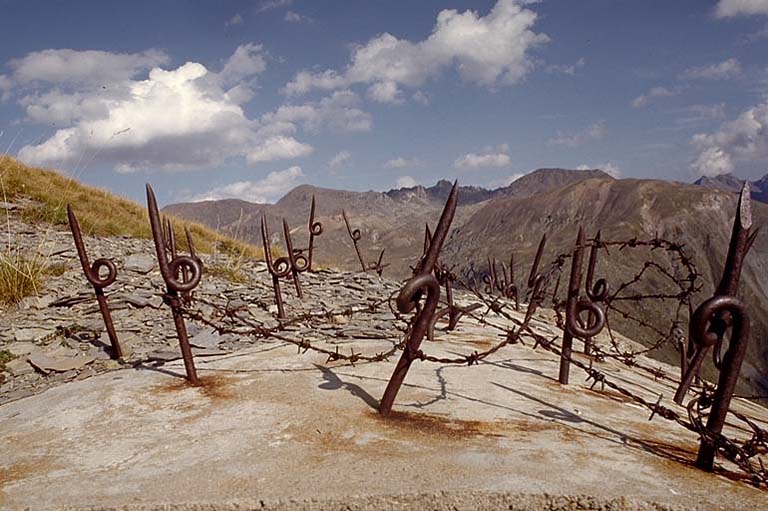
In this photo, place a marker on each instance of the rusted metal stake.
(299, 263)
(94, 278)
(422, 283)
(170, 270)
(535, 279)
(355, 236)
(576, 305)
(708, 327)
(315, 229)
(278, 268)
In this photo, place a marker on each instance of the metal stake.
(94, 278)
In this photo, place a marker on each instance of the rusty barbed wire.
(685, 279)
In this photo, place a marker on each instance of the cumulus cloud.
(609, 168)
(488, 157)
(278, 148)
(743, 139)
(340, 160)
(63, 66)
(267, 190)
(402, 163)
(406, 182)
(593, 132)
(174, 119)
(731, 8)
(488, 50)
(339, 111)
(721, 71)
(654, 92)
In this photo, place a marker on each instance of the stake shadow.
(667, 451)
(333, 382)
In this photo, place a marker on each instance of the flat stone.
(36, 302)
(48, 364)
(209, 339)
(22, 348)
(164, 356)
(19, 367)
(29, 334)
(139, 263)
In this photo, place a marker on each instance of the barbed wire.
(685, 282)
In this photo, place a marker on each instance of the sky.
(248, 99)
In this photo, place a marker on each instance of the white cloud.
(340, 159)
(402, 163)
(487, 50)
(268, 190)
(406, 182)
(234, 20)
(385, 92)
(720, 71)
(338, 111)
(567, 69)
(654, 92)
(609, 168)
(176, 119)
(593, 132)
(63, 66)
(743, 139)
(488, 157)
(295, 17)
(248, 60)
(730, 8)
(278, 148)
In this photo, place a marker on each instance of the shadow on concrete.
(333, 382)
(675, 453)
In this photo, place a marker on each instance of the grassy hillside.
(100, 212)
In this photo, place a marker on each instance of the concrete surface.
(273, 429)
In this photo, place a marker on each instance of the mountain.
(731, 183)
(392, 220)
(542, 180)
(695, 216)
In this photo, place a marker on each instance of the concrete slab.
(274, 429)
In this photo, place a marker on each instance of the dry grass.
(100, 212)
(20, 276)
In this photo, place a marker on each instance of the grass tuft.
(20, 277)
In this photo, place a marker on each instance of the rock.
(8, 206)
(36, 302)
(22, 348)
(164, 356)
(29, 334)
(139, 263)
(47, 364)
(19, 367)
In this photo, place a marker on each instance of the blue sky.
(251, 98)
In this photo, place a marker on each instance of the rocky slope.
(392, 220)
(695, 216)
